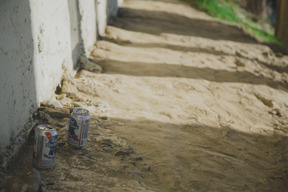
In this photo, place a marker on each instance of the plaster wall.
(88, 24)
(17, 82)
(105, 10)
(40, 41)
(101, 16)
(52, 44)
(75, 31)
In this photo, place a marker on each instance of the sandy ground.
(185, 103)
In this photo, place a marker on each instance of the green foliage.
(219, 9)
(231, 12)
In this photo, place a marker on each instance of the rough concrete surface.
(184, 103)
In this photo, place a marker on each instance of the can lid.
(80, 111)
(46, 127)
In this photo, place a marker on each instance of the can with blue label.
(78, 128)
(44, 151)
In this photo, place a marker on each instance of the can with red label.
(44, 151)
(78, 128)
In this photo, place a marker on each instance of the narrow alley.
(185, 102)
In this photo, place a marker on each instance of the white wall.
(40, 41)
(77, 46)
(88, 17)
(52, 44)
(17, 82)
(101, 16)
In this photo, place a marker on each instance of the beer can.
(78, 127)
(44, 151)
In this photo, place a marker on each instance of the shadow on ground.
(172, 47)
(157, 22)
(198, 157)
(172, 70)
(195, 49)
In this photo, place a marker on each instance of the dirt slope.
(185, 103)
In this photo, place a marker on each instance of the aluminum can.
(44, 151)
(78, 127)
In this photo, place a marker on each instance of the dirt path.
(185, 103)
